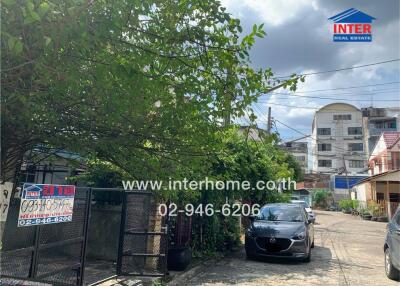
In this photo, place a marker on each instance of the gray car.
(280, 230)
(304, 204)
(392, 247)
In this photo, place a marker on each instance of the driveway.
(348, 251)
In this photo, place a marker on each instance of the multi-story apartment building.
(376, 121)
(299, 150)
(252, 133)
(337, 139)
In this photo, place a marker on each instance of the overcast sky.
(299, 40)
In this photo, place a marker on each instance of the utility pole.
(269, 124)
(347, 178)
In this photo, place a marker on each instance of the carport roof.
(379, 176)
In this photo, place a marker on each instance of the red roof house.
(386, 153)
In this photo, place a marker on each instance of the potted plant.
(375, 210)
(179, 258)
(367, 216)
(383, 218)
(348, 205)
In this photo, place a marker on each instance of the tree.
(141, 84)
(239, 159)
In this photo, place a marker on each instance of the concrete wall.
(362, 193)
(340, 194)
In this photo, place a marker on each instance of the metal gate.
(143, 237)
(53, 253)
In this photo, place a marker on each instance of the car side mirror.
(252, 218)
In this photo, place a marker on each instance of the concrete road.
(348, 251)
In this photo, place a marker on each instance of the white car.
(308, 209)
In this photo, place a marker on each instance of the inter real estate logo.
(352, 25)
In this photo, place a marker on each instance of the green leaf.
(47, 40)
(30, 5)
(28, 20)
(11, 42)
(43, 8)
(9, 2)
(35, 16)
(18, 47)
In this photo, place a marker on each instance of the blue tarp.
(341, 181)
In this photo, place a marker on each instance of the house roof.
(390, 138)
(338, 106)
(375, 177)
(352, 16)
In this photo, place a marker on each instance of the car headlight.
(300, 236)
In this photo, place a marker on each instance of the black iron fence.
(56, 253)
(144, 237)
(53, 253)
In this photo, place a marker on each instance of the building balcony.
(377, 131)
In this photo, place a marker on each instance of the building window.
(385, 124)
(354, 131)
(356, 147)
(342, 117)
(394, 197)
(300, 158)
(325, 163)
(28, 175)
(356, 164)
(324, 147)
(324, 131)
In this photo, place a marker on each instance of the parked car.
(308, 209)
(392, 247)
(280, 230)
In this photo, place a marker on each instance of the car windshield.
(290, 213)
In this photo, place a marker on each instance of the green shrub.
(321, 198)
(375, 209)
(348, 204)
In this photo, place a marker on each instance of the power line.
(284, 124)
(302, 107)
(372, 92)
(316, 140)
(348, 87)
(342, 69)
(332, 98)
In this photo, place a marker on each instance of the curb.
(183, 278)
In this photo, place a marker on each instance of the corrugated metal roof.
(390, 138)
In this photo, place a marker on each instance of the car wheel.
(250, 256)
(391, 271)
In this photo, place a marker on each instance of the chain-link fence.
(144, 239)
(56, 253)
(53, 253)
